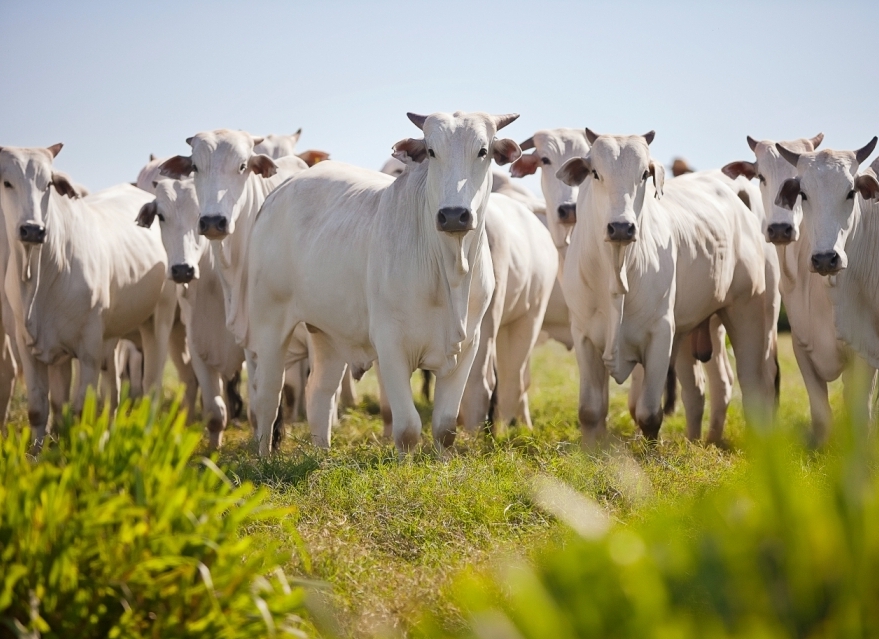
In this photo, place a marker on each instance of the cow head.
(278, 146)
(623, 174)
(176, 207)
(781, 225)
(221, 163)
(827, 184)
(458, 150)
(27, 180)
(552, 148)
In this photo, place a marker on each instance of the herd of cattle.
(312, 271)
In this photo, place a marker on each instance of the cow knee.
(590, 417)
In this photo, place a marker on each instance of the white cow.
(525, 267)
(81, 276)
(821, 357)
(231, 184)
(840, 222)
(281, 146)
(643, 272)
(397, 270)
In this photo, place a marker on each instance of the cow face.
(177, 210)
(828, 185)
(27, 180)
(278, 146)
(781, 225)
(221, 163)
(458, 149)
(552, 148)
(622, 175)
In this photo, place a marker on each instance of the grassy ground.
(387, 537)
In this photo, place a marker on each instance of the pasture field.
(386, 539)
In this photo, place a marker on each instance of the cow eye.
(161, 217)
(850, 196)
(761, 178)
(430, 153)
(803, 195)
(545, 161)
(7, 184)
(194, 169)
(483, 152)
(595, 173)
(243, 167)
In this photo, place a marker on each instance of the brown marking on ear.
(262, 165)
(525, 165)
(867, 186)
(528, 144)
(864, 152)
(591, 136)
(312, 329)
(177, 167)
(505, 151)
(700, 341)
(788, 155)
(147, 214)
(417, 120)
(312, 156)
(55, 149)
(648, 137)
(740, 167)
(658, 173)
(410, 150)
(788, 193)
(752, 143)
(680, 167)
(817, 140)
(574, 171)
(63, 185)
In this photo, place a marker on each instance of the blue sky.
(116, 81)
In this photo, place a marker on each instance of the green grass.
(389, 538)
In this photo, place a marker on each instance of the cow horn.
(55, 149)
(417, 120)
(788, 155)
(298, 131)
(152, 157)
(501, 121)
(649, 136)
(591, 135)
(752, 143)
(817, 140)
(527, 144)
(864, 152)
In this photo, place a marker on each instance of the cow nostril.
(222, 224)
(202, 225)
(465, 217)
(610, 230)
(630, 231)
(442, 219)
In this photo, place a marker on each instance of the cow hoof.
(215, 439)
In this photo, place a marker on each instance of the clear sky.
(116, 81)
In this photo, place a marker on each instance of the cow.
(80, 276)
(231, 184)
(650, 262)
(839, 231)
(377, 268)
(821, 357)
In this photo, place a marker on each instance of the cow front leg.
(8, 371)
(594, 397)
(396, 373)
(384, 404)
(657, 357)
(515, 342)
(156, 336)
(178, 351)
(60, 380)
(215, 414)
(36, 378)
(447, 397)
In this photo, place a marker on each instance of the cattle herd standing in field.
(310, 272)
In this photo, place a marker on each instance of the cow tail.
(671, 391)
(233, 396)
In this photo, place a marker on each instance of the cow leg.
(177, 351)
(513, 362)
(110, 375)
(36, 377)
(348, 396)
(648, 413)
(250, 367)
(447, 396)
(480, 384)
(8, 370)
(692, 389)
(215, 413)
(89, 376)
(819, 404)
(720, 381)
(384, 405)
(320, 391)
(394, 378)
(858, 379)
(594, 397)
(60, 379)
(156, 335)
(295, 378)
(636, 383)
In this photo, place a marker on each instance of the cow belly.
(134, 303)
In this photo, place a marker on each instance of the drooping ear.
(574, 171)
(505, 150)
(817, 140)
(528, 144)
(867, 185)
(788, 155)
(741, 167)
(63, 185)
(591, 136)
(658, 172)
(410, 151)
(312, 157)
(788, 193)
(525, 165)
(147, 214)
(648, 137)
(262, 165)
(55, 149)
(178, 167)
(752, 143)
(864, 152)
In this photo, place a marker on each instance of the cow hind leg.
(514, 375)
(858, 380)
(384, 404)
(720, 382)
(320, 391)
(689, 372)
(481, 384)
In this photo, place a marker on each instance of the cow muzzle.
(213, 227)
(455, 219)
(31, 233)
(827, 263)
(622, 232)
(182, 273)
(568, 213)
(780, 233)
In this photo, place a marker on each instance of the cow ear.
(410, 150)
(741, 167)
(312, 157)
(505, 151)
(658, 172)
(177, 167)
(63, 185)
(867, 186)
(262, 165)
(525, 165)
(788, 193)
(147, 214)
(574, 171)
(680, 167)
